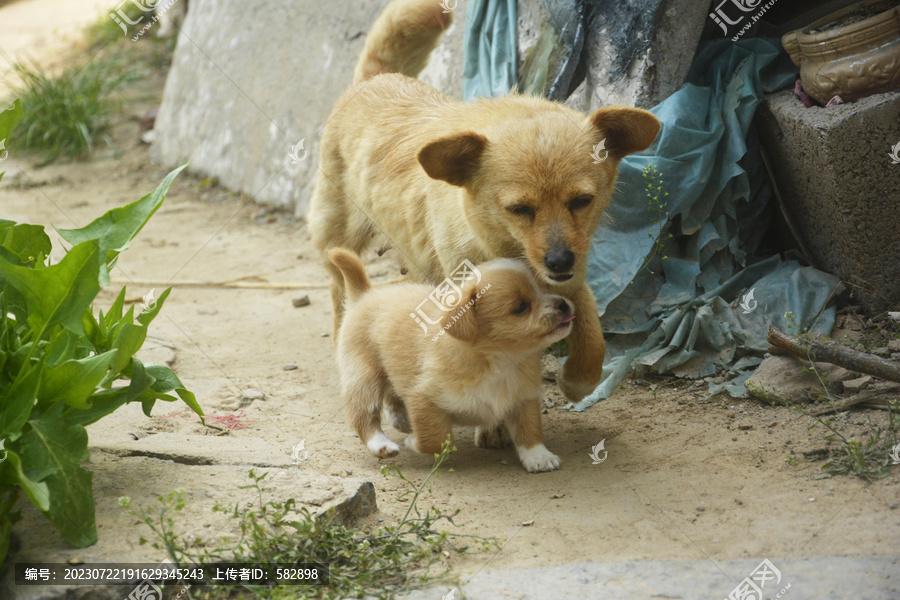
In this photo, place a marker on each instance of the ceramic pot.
(851, 61)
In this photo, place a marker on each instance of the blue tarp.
(669, 277)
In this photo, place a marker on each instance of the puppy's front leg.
(583, 369)
(525, 428)
(430, 426)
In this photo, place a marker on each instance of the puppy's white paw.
(412, 442)
(538, 459)
(382, 447)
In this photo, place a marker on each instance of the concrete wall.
(840, 188)
(250, 79)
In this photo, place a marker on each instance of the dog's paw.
(382, 447)
(492, 437)
(574, 391)
(538, 459)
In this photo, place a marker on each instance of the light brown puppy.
(486, 370)
(442, 180)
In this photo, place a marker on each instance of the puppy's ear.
(454, 158)
(465, 327)
(625, 129)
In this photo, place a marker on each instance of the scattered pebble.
(811, 499)
(300, 301)
(290, 367)
(733, 439)
(561, 494)
(893, 506)
(701, 508)
(738, 502)
(528, 523)
(250, 395)
(773, 424)
(207, 311)
(745, 427)
(76, 560)
(326, 335)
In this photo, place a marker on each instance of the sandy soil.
(683, 480)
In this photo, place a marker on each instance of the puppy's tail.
(402, 38)
(356, 282)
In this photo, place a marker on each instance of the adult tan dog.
(442, 180)
(486, 370)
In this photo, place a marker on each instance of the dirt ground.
(684, 478)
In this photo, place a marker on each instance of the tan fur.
(442, 180)
(484, 370)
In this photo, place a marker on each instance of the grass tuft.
(378, 563)
(66, 114)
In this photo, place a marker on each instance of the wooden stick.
(822, 348)
(867, 396)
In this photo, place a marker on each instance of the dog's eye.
(580, 202)
(521, 308)
(521, 209)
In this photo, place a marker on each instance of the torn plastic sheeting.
(489, 67)
(677, 315)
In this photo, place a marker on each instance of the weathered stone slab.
(143, 480)
(840, 188)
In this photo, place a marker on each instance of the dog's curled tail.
(356, 282)
(402, 38)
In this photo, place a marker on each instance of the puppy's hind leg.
(397, 411)
(364, 397)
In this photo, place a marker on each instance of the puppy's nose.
(560, 260)
(563, 307)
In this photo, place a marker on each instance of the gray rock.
(300, 301)
(857, 385)
(250, 395)
(781, 379)
(839, 187)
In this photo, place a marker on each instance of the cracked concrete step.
(143, 480)
(860, 578)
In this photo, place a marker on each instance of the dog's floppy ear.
(465, 327)
(454, 158)
(625, 129)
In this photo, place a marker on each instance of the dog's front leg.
(582, 370)
(524, 425)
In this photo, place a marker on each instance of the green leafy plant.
(59, 364)
(68, 112)
(377, 563)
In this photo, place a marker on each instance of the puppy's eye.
(521, 308)
(521, 209)
(580, 202)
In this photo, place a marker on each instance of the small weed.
(67, 113)
(360, 563)
(658, 207)
(868, 459)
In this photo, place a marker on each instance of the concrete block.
(840, 189)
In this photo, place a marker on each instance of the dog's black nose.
(560, 261)
(563, 307)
